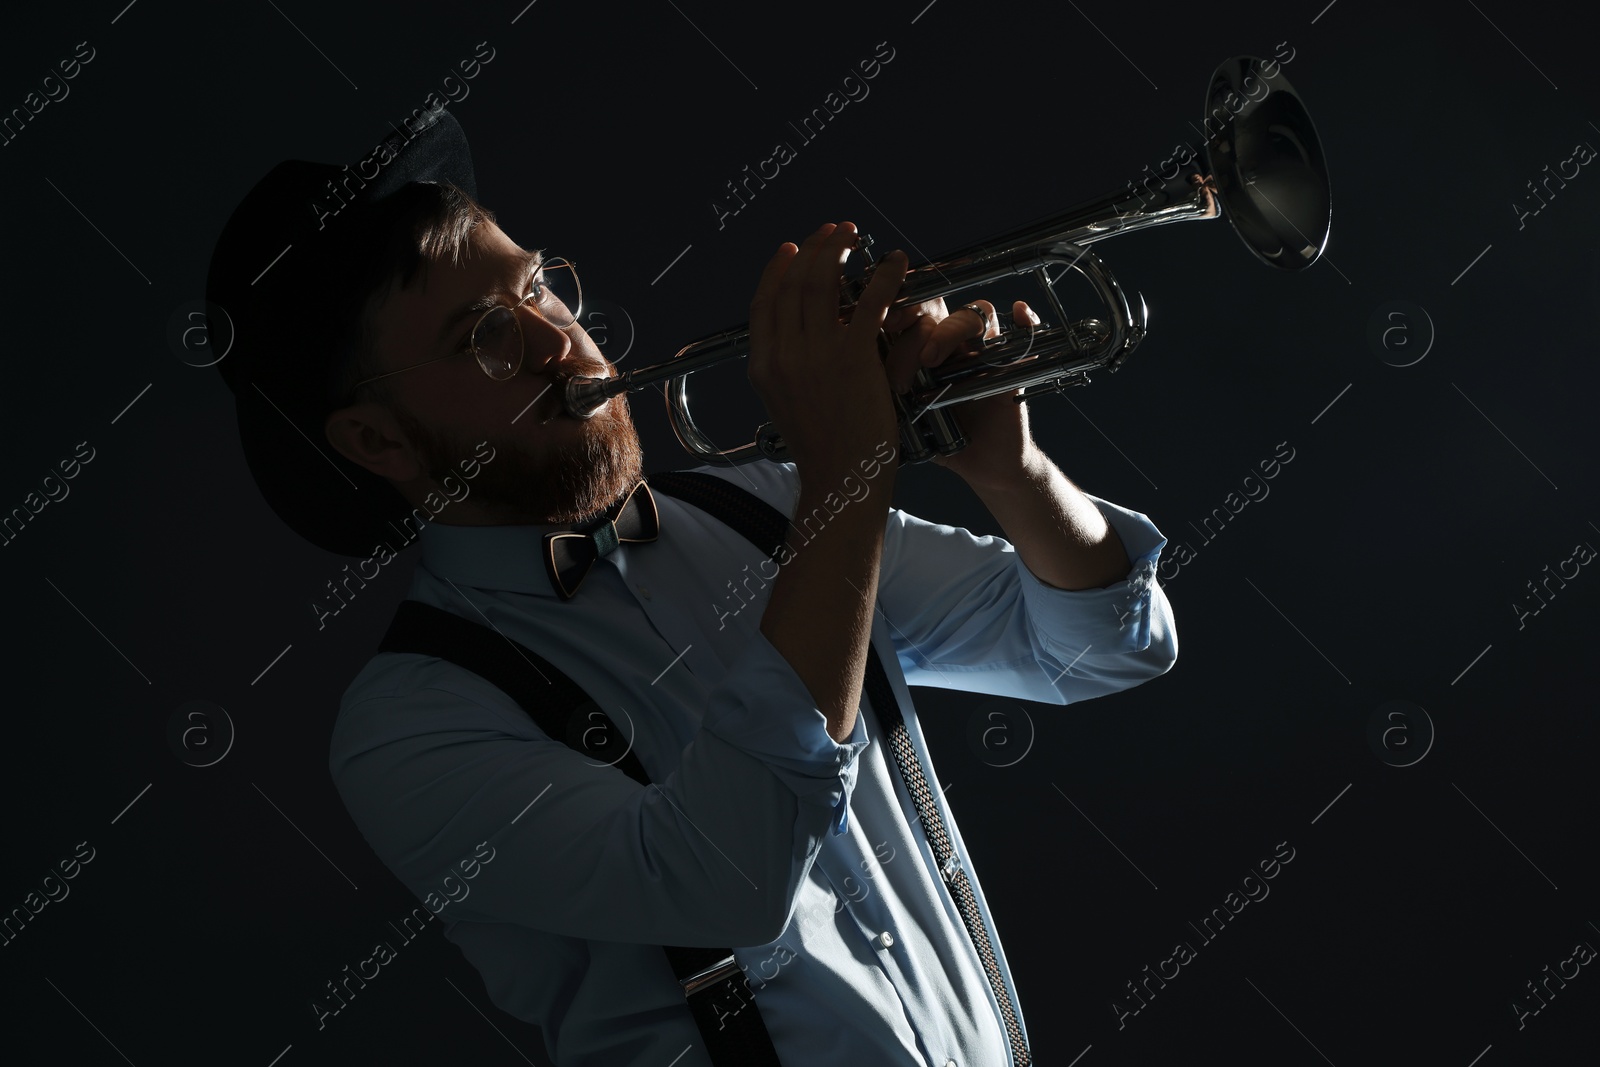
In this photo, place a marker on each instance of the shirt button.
(644, 591)
(884, 940)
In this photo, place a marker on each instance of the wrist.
(841, 469)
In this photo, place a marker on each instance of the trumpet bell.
(1267, 164)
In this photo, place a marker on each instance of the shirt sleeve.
(442, 769)
(966, 613)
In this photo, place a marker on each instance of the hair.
(415, 227)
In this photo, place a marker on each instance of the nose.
(544, 344)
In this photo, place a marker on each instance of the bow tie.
(569, 554)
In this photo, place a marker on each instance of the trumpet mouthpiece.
(583, 397)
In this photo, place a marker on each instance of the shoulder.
(414, 737)
(401, 696)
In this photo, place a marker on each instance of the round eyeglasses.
(497, 340)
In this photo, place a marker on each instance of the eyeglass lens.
(557, 297)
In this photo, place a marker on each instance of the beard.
(565, 482)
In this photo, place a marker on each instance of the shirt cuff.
(1113, 619)
(763, 708)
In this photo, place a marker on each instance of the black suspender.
(714, 987)
(721, 1002)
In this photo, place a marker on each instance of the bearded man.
(786, 845)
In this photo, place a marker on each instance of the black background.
(1383, 565)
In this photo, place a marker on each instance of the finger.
(1023, 315)
(819, 289)
(880, 292)
(763, 306)
(789, 318)
(952, 335)
(907, 314)
(982, 309)
(903, 360)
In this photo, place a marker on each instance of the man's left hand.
(999, 445)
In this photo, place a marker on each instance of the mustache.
(597, 369)
(560, 378)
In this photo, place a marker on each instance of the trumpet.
(1260, 166)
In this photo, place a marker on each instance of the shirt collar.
(490, 557)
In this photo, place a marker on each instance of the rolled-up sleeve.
(712, 855)
(796, 747)
(968, 614)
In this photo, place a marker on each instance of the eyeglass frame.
(522, 353)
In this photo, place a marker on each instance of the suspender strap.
(718, 997)
(555, 702)
(766, 527)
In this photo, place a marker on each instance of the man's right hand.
(826, 388)
(823, 381)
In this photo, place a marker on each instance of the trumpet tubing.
(1262, 169)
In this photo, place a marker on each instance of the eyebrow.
(527, 264)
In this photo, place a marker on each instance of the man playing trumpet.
(783, 818)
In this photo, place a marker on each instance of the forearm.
(819, 616)
(1061, 537)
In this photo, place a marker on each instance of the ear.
(369, 436)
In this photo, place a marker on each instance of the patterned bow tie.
(568, 555)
